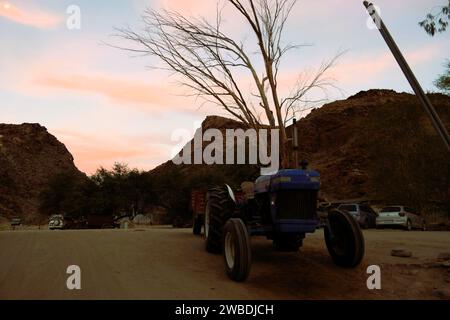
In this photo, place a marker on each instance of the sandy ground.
(166, 263)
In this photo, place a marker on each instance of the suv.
(363, 213)
(56, 222)
(403, 216)
(16, 221)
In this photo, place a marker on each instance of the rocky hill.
(29, 158)
(377, 144)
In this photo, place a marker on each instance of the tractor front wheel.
(344, 239)
(236, 250)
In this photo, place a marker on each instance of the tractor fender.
(231, 193)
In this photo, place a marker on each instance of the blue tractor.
(281, 207)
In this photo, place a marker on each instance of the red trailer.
(197, 209)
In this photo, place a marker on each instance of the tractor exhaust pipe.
(426, 103)
(295, 134)
(295, 142)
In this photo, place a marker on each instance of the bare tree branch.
(211, 63)
(298, 100)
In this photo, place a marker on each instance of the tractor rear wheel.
(219, 208)
(236, 250)
(345, 241)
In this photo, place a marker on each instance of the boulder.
(400, 252)
(444, 256)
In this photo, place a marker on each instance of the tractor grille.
(296, 204)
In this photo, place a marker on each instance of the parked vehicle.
(283, 208)
(75, 222)
(15, 222)
(402, 216)
(56, 222)
(101, 222)
(178, 222)
(363, 213)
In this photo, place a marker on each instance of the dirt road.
(166, 263)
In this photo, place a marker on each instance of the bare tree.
(211, 62)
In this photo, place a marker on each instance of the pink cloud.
(147, 96)
(91, 151)
(195, 7)
(30, 17)
(353, 70)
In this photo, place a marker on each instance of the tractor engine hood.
(288, 179)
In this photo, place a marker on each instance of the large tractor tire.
(197, 225)
(287, 242)
(219, 208)
(236, 250)
(345, 242)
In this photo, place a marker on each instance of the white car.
(400, 216)
(56, 222)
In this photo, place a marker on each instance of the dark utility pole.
(426, 103)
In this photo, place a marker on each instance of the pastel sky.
(107, 105)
